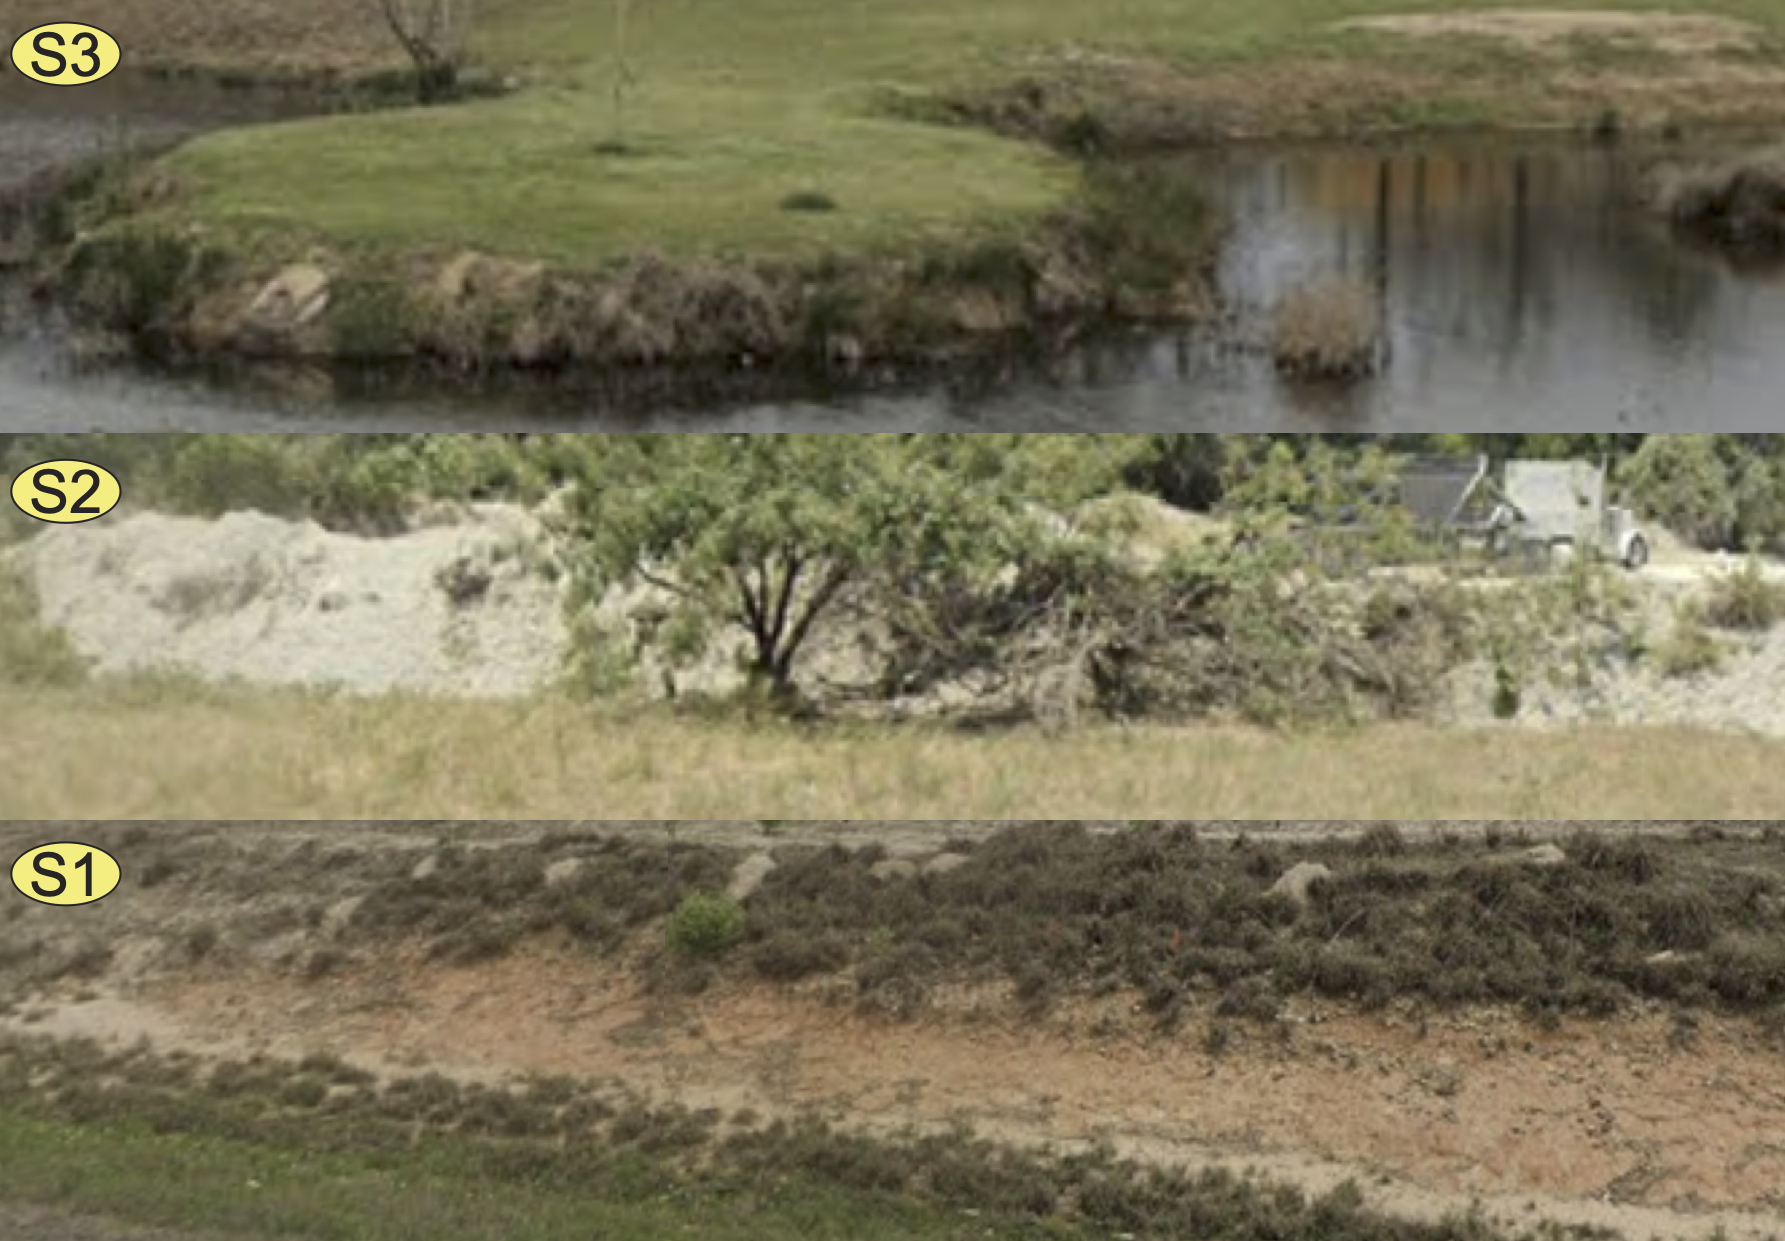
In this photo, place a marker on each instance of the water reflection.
(1524, 291)
(1522, 286)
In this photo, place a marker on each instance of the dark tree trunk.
(436, 81)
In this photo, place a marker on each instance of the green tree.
(767, 534)
(1684, 482)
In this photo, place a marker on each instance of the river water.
(1525, 292)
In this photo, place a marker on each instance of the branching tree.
(767, 533)
(433, 33)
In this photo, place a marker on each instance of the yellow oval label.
(66, 491)
(66, 53)
(71, 874)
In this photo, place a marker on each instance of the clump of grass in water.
(1328, 329)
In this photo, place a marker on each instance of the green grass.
(705, 174)
(271, 1149)
(211, 1182)
(737, 106)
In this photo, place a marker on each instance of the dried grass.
(1328, 328)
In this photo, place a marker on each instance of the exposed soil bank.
(1655, 1121)
(1133, 249)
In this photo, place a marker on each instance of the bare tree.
(433, 32)
(624, 78)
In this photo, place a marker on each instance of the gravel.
(463, 610)
(1744, 693)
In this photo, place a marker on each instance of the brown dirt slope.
(1652, 1122)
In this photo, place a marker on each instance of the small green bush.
(809, 201)
(705, 925)
(32, 654)
(1682, 481)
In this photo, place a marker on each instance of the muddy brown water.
(1525, 292)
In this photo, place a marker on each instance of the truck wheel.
(1636, 555)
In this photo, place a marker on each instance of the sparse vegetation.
(937, 587)
(1186, 923)
(33, 655)
(1167, 923)
(1744, 599)
(1689, 648)
(95, 1132)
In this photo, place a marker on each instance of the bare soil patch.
(1553, 30)
(1613, 1125)
(1655, 1122)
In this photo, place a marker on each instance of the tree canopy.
(766, 533)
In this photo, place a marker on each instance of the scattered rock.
(425, 869)
(283, 313)
(749, 876)
(1545, 855)
(945, 863)
(1298, 882)
(339, 914)
(563, 871)
(982, 312)
(894, 868)
(471, 275)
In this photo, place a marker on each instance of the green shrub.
(1744, 599)
(1682, 481)
(1148, 224)
(32, 654)
(215, 474)
(1690, 648)
(704, 925)
(371, 316)
(1759, 504)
